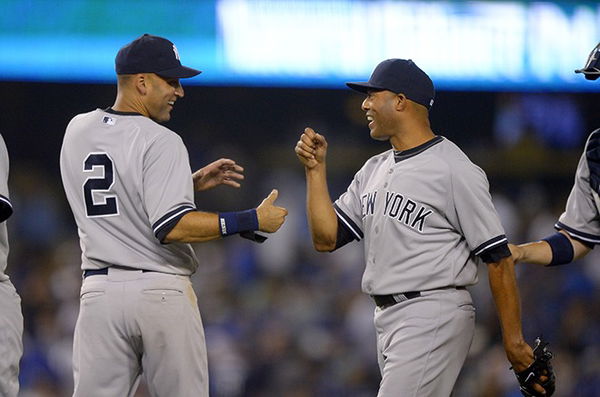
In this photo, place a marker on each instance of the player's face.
(162, 92)
(380, 109)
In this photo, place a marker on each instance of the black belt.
(383, 301)
(104, 270)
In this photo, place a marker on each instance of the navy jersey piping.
(490, 244)
(6, 208)
(348, 223)
(400, 155)
(166, 223)
(576, 234)
(112, 111)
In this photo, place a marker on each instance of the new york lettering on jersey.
(399, 207)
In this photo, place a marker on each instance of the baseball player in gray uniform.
(578, 228)
(11, 318)
(130, 187)
(426, 218)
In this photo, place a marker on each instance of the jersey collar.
(400, 155)
(112, 111)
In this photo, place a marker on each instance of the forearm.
(194, 227)
(538, 253)
(506, 298)
(541, 252)
(322, 219)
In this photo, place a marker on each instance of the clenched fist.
(311, 149)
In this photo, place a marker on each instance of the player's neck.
(412, 139)
(127, 105)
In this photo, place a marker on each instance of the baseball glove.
(541, 366)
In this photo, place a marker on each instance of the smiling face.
(381, 110)
(161, 94)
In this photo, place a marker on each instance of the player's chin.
(163, 117)
(377, 136)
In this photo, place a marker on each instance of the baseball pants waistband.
(104, 270)
(384, 301)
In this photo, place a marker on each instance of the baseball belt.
(104, 270)
(385, 301)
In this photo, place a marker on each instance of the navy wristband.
(237, 222)
(562, 249)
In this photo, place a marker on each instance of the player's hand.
(270, 216)
(521, 357)
(516, 252)
(220, 172)
(311, 149)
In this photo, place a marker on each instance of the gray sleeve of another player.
(349, 213)
(6, 209)
(168, 187)
(474, 213)
(581, 219)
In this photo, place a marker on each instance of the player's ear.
(141, 83)
(401, 102)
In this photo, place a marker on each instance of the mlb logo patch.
(108, 120)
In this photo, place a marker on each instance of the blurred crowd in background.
(281, 319)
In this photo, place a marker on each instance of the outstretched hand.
(311, 149)
(270, 216)
(220, 172)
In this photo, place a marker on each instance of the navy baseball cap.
(591, 70)
(400, 76)
(152, 54)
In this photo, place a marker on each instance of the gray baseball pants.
(132, 323)
(423, 342)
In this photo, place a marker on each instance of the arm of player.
(311, 150)
(220, 172)
(540, 253)
(194, 227)
(503, 284)
(198, 226)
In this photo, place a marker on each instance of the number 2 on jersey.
(101, 184)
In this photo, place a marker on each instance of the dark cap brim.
(364, 87)
(588, 70)
(590, 73)
(180, 72)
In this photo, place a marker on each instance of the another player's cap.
(591, 70)
(152, 54)
(400, 76)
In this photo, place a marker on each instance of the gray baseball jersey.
(11, 318)
(581, 218)
(128, 181)
(424, 214)
(5, 207)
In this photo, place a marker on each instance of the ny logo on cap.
(176, 52)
